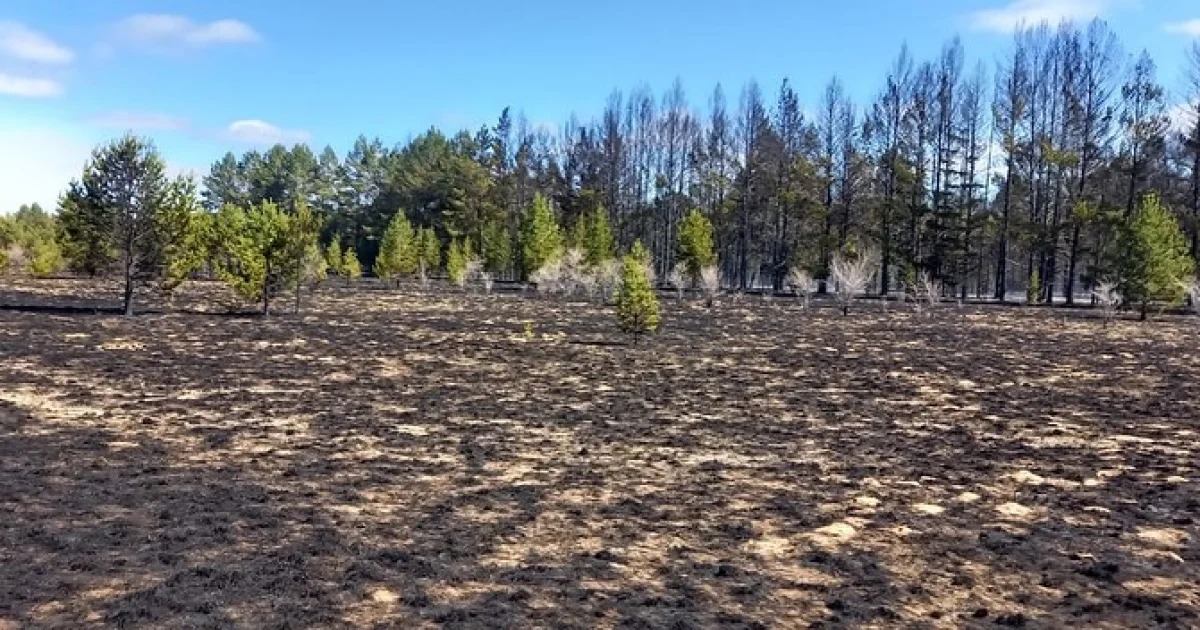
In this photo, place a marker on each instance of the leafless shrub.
(1109, 299)
(677, 281)
(423, 276)
(586, 281)
(1192, 288)
(651, 273)
(15, 260)
(549, 279)
(574, 275)
(801, 283)
(473, 269)
(607, 277)
(710, 283)
(929, 290)
(851, 275)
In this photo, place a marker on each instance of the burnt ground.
(400, 459)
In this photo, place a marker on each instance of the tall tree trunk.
(1001, 293)
(128, 296)
(266, 291)
(1072, 262)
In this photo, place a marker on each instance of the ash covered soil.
(412, 459)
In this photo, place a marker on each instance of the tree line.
(1026, 175)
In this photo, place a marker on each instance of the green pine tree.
(541, 238)
(31, 238)
(431, 251)
(637, 306)
(184, 226)
(599, 244)
(577, 238)
(45, 258)
(333, 255)
(8, 239)
(642, 254)
(351, 268)
(496, 246)
(111, 215)
(261, 250)
(398, 253)
(1152, 257)
(313, 270)
(310, 261)
(456, 263)
(695, 245)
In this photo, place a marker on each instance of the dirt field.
(414, 460)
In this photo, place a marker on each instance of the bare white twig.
(677, 281)
(1109, 299)
(851, 276)
(930, 289)
(801, 283)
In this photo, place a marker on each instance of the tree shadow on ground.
(413, 460)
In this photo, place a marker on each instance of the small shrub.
(801, 283)
(1108, 297)
(676, 280)
(851, 275)
(710, 283)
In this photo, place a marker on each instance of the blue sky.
(204, 77)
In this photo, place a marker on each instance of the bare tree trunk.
(1072, 262)
(266, 292)
(128, 297)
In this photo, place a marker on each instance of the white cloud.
(1033, 12)
(36, 164)
(21, 42)
(1190, 28)
(28, 87)
(141, 121)
(261, 132)
(157, 30)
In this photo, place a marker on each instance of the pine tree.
(456, 263)
(642, 255)
(431, 251)
(541, 238)
(310, 261)
(496, 247)
(1152, 256)
(351, 268)
(398, 253)
(578, 236)
(261, 250)
(313, 270)
(112, 216)
(598, 244)
(185, 234)
(45, 258)
(695, 245)
(87, 237)
(637, 306)
(333, 255)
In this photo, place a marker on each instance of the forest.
(987, 180)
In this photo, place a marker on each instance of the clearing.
(409, 459)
